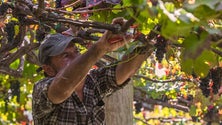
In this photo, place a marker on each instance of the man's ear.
(49, 70)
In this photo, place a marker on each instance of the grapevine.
(138, 107)
(58, 4)
(10, 31)
(15, 89)
(40, 34)
(160, 45)
(215, 74)
(160, 42)
(3, 8)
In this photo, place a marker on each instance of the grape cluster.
(15, 89)
(3, 8)
(190, 98)
(215, 74)
(41, 32)
(40, 35)
(153, 33)
(138, 106)
(160, 45)
(160, 42)
(195, 118)
(58, 3)
(10, 31)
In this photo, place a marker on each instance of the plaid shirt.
(72, 111)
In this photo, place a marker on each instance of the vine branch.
(165, 81)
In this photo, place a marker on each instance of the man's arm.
(72, 75)
(130, 64)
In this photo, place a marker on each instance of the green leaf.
(191, 42)
(23, 98)
(170, 6)
(116, 11)
(29, 70)
(192, 111)
(145, 13)
(204, 62)
(15, 64)
(187, 66)
(194, 45)
(209, 3)
(208, 13)
(171, 29)
(127, 3)
(200, 67)
(135, 2)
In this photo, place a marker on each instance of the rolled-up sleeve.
(105, 80)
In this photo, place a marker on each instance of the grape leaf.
(187, 66)
(210, 3)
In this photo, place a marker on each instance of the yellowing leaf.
(16, 28)
(69, 9)
(14, 19)
(116, 11)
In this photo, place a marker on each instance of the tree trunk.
(119, 107)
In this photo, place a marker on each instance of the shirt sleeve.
(42, 106)
(105, 80)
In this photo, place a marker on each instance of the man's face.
(60, 61)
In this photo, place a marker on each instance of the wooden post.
(119, 107)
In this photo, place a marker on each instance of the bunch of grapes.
(189, 98)
(3, 8)
(41, 32)
(153, 33)
(215, 74)
(161, 44)
(15, 89)
(138, 106)
(10, 29)
(58, 3)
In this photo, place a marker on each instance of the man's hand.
(111, 42)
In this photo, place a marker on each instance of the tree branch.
(169, 119)
(60, 10)
(41, 7)
(146, 99)
(218, 52)
(23, 50)
(165, 104)
(99, 25)
(17, 41)
(8, 71)
(21, 64)
(165, 81)
(70, 5)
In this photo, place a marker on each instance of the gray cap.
(54, 44)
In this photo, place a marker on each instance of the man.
(71, 93)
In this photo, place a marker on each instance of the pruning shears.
(132, 31)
